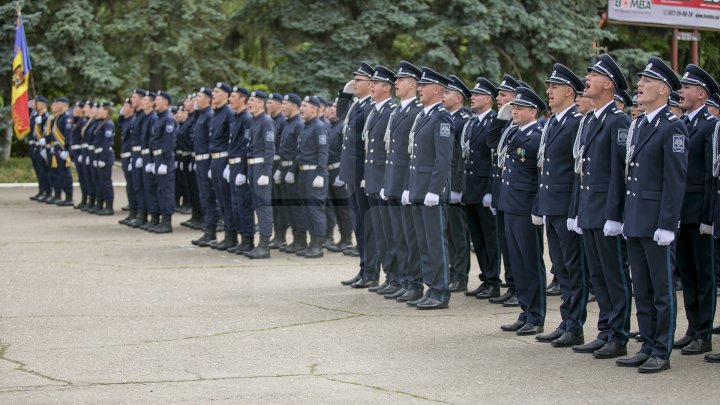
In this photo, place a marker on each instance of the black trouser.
(569, 264)
(484, 235)
(507, 266)
(655, 299)
(430, 223)
(526, 258)
(458, 243)
(339, 200)
(411, 275)
(695, 265)
(382, 244)
(611, 280)
(369, 263)
(129, 188)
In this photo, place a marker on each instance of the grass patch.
(20, 170)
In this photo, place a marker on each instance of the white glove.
(129, 167)
(576, 228)
(382, 194)
(63, 155)
(52, 150)
(43, 153)
(162, 170)
(706, 229)
(176, 164)
(405, 198)
(191, 166)
(152, 168)
(38, 120)
(94, 163)
(349, 88)
(487, 200)
(455, 197)
(263, 180)
(612, 228)
(318, 182)
(277, 176)
(101, 164)
(42, 142)
(226, 173)
(148, 169)
(290, 178)
(570, 224)
(210, 174)
(181, 165)
(505, 112)
(663, 237)
(337, 182)
(493, 210)
(87, 161)
(240, 179)
(362, 183)
(536, 220)
(431, 200)
(138, 163)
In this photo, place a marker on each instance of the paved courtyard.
(92, 312)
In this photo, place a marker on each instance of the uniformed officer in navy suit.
(518, 202)
(310, 171)
(458, 245)
(149, 181)
(557, 175)
(656, 166)
(674, 104)
(374, 173)
(404, 240)
(427, 188)
(162, 144)
(713, 104)
(622, 100)
(261, 150)
(600, 204)
(219, 172)
(354, 111)
(478, 169)
(105, 157)
(506, 93)
(62, 136)
(126, 122)
(694, 239)
(338, 201)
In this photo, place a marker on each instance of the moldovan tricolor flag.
(21, 69)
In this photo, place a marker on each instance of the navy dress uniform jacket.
(163, 140)
(602, 187)
(518, 192)
(656, 176)
(398, 158)
(478, 161)
(697, 205)
(457, 168)
(353, 153)
(558, 166)
(431, 156)
(375, 153)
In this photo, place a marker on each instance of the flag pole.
(30, 75)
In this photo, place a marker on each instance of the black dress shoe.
(351, 281)
(716, 330)
(390, 289)
(697, 346)
(590, 347)
(512, 302)
(553, 291)
(633, 334)
(410, 295)
(654, 365)
(476, 291)
(513, 327)
(682, 342)
(568, 339)
(712, 358)
(396, 294)
(417, 301)
(635, 361)
(362, 283)
(639, 339)
(377, 288)
(488, 293)
(431, 303)
(499, 300)
(529, 329)
(550, 336)
(457, 286)
(610, 351)
(592, 297)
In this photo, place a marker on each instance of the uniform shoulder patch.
(108, 133)
(169, 128)
(622, 137)
(618, 112)
(577, 114)
(322, 139)
(445, 129)
(464, 115)
(441, 109)
(678, 143)
(670, 116)
(419, 104)
(270, 136)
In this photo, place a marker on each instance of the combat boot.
(315, 249)
(107, 209)
(154, 220)
(83, 203)
(139, 220)
(345, 242)
(262, 251)
(165, 225)
(90, 204)
(229, 241)
(299, 243)
(96, 207)
(279, 241)
(209, 236)
(131, 215)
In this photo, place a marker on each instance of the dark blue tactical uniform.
(281, 215)
(218, 148)
(241, 197)
(338, 198)
(76, 151)
(289, 191)
(201, 142)
(105, 157)
(162, 144)
(126, 136)
(62, 130)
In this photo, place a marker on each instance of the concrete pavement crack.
(379, 315)
(22, 367)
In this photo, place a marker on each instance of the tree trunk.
(6, 143)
